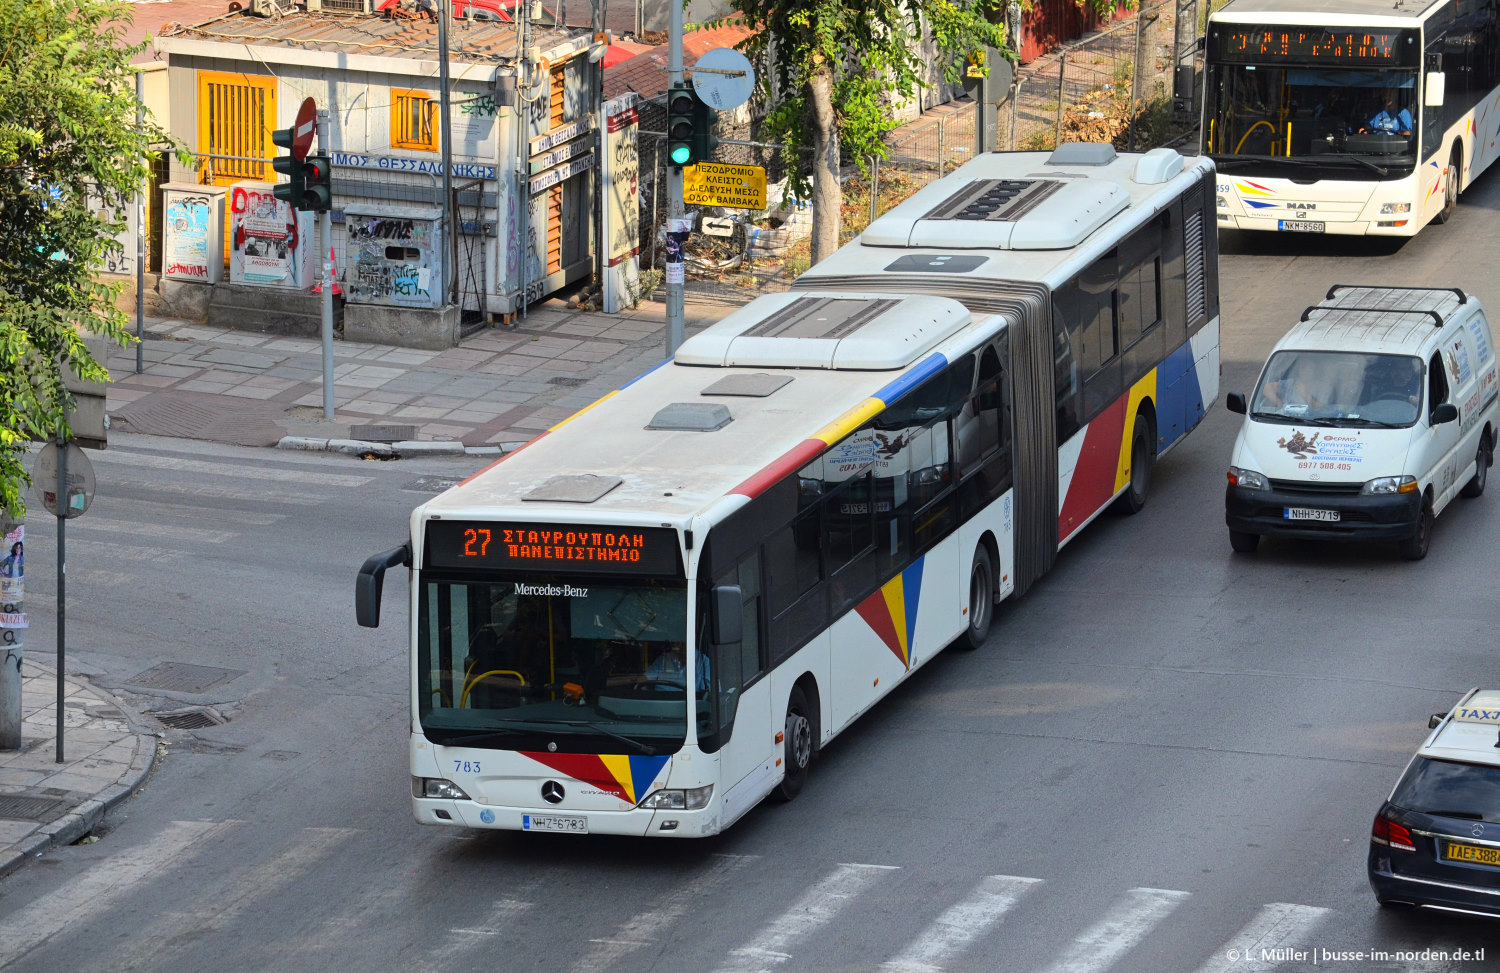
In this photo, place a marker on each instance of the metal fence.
(1115, 85)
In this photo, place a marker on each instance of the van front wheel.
(1482, 464)
(1414, 548)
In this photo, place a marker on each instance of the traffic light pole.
(676, 268)
(325, 222)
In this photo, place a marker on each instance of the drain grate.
(183, 677)
(564, 380)
(193, 719)
(382, 432)
(16, 806)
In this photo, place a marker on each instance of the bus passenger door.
(747, 755)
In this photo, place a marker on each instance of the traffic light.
(317, 187)
(704, 139)
(682, 118)
(289, 166)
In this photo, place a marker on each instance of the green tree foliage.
(831, 69)
(69, 147)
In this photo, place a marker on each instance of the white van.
(1369, 417)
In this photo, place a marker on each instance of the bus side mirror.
(726, 605)
(1432, 89)
(1235, 402)
(371, 579)
(1444, 412)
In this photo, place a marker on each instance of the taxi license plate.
(1309, 513)
(1299, 226)
(558, 823)
(1471, 853)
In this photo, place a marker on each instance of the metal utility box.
(192, 229)
(271, 244)
(87, 418)
(393, 256)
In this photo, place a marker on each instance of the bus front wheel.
(797, 746)
(981, 599)
(1450, 188)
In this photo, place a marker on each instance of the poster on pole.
(620, 172)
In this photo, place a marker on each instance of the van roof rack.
(1437, 319)
(1462, 297)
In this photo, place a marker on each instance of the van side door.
(1449, 378)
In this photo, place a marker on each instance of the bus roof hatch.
(1034, 213)
(826, 330)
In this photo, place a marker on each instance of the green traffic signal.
(681, 118)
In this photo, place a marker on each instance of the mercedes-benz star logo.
(1477, 830)
(552, 792)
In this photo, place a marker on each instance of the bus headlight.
(1223, 203)
(436, 787)
(1249, 479)
(678, 800)
(1383, 485)
(1387, 209)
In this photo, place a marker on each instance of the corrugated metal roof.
(375, 35)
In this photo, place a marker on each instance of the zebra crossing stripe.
(143, 950)
(1253, 949)
(952, 932)
(232, 468)
(817, 907)
(1098, 947)
(105, 880)
(653, 926)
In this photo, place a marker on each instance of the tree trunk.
(827, 193)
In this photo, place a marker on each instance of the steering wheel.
(1394, 397)
(657, 685)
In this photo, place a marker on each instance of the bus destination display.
(1310, 45)
(499, 545)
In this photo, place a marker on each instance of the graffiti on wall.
(266, 239)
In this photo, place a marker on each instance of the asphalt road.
(1166, 758)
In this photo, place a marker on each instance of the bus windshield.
(588, 664)
(1363, 123)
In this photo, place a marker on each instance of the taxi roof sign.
(1482, 707)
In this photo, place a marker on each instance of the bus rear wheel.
(797, 746)
(1142, 456)
(981, 599)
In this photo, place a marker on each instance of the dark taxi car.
(1436, 840)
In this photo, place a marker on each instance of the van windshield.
(1340, 388)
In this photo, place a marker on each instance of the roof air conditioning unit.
(272, 8)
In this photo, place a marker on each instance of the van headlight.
(1249, 479)
(690, 799)
(1382, 485)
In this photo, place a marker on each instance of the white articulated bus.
(1362, 117)
(653, 615)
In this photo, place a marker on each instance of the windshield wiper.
(1239, 161)
(1471, 815)
(515, 726)
(1375, 423)
(1295, 420)
(1346, 157)
(647, 749)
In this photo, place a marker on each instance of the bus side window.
(1064, 365)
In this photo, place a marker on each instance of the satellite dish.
(723, 78)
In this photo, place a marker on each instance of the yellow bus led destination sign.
(1311, 45)
(555, 547)
(724, 184)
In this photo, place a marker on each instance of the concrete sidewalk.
(500, 387)
(107, 754)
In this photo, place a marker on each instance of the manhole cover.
(387, 433)
(571, 383)
(192, 719)
(16, 806)
(183, 677)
